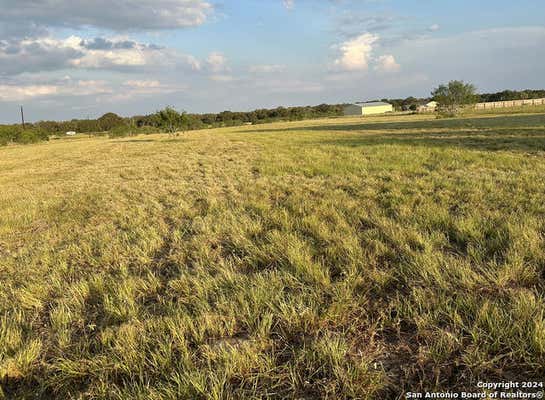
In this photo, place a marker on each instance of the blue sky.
(66, 59)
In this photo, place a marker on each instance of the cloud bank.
(115, 15)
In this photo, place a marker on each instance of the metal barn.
(374, 108)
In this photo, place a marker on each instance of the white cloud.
(216, 62)
(356, 53)
(288, 4)
(387, 63)
(222, 78)
(67, 87)
(18, 93)
(120, 56)
(148, 87)
(19, 90)
(266, 68)
(49, 54)
(85, 88)
(434, 28)
(143, 84)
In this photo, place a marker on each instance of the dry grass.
(322, 259)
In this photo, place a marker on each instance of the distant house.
(70, 133)
(374, 108)
(428, 107)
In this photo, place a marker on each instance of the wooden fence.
(510, 103)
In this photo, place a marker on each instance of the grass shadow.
(510, 121)
(524, 133)
(513, 140)
(135, 141)
(173, 140)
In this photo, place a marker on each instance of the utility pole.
(23, 117)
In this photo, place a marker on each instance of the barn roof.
(372, 104)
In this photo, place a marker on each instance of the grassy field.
(341, 258)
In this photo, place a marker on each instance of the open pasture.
(340, 258)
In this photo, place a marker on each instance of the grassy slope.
(333, 259)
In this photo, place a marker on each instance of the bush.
(120, 131)
(8, 134)
(16, 134)
(31, 136)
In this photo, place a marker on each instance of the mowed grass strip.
(341, 258)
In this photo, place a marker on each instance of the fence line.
(510, 103)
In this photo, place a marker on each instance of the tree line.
(508, 95)
(171, 120)
(166, 120)
(411, 103)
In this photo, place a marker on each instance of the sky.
(64, 59)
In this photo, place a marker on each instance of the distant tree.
(512, 95)
(397, 103)
(454, 95)
(410, 103)
(167, 120)
(109, 121)
(323, 109)
(50, 126)
(208, 119)
(171, 121)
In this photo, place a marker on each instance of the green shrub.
(31, 136)
(7, 134)
(16, 134)
(120, 131)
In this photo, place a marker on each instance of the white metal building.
(374, 108)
